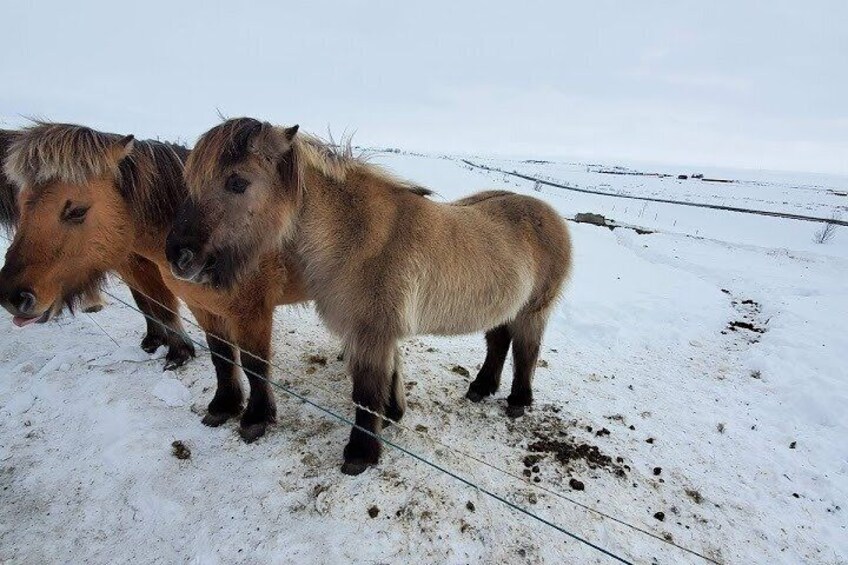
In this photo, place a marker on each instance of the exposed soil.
(317, 360)
(568, 451)
(551, 441)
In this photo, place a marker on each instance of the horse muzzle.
(22, 305)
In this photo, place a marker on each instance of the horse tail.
(420, 190)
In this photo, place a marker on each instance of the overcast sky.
(748, 84)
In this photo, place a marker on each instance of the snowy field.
(693, 383)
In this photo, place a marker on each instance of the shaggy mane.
(149, 178)
(8, 191)
(230, 143)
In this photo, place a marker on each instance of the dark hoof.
(480, 389)
(152, 342)
(256, 420)
(178, 355)
(223, 406)
(515, 411)
(252, 432)
(172, 364)
(360, 453)
(215, 419)
(93, 309)
(354, 468)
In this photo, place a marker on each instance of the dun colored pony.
(91, 301)
(380, 263)
(95, 202)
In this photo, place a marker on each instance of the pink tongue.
(21, 322)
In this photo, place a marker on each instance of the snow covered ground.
(693, 380)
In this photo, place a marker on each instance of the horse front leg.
(228, 400)
(373, 371)
(254, 341)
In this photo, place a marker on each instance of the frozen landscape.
(692, 383)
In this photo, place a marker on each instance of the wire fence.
(288, 390)
(646, 199)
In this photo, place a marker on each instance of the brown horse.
(91, 301)
(380, 263)
(96, 202)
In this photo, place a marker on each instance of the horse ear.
(274, 141)
(123, 147)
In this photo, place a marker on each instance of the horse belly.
(471, 306)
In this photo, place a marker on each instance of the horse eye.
(74, 215)
(236, 184)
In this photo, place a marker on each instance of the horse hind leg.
(161, 309)
(489, 378)
(396, 405)
(526, 330)
(157, 334)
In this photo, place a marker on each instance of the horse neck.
(336, 214)
(149, 237)
(322, 198)
(313, 199)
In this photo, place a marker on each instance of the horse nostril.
(185, 258)
(24, 301)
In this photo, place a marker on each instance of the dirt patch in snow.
(571, 453)
(750, 325)
(744, 325)
(551, 441)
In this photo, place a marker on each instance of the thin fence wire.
(93, 321)
(385, 440)
(414, 431)
(426, 436)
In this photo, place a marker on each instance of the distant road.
(786, 215)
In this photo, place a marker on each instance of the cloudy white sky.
(747, 84)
